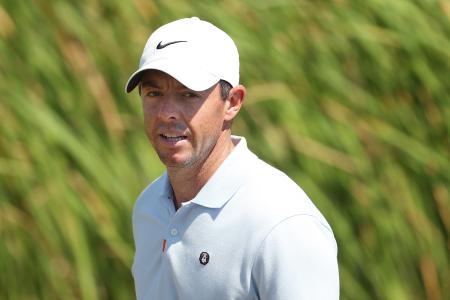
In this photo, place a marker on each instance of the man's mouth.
(173, 138)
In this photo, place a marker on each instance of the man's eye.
(153, 94)
(189, 95)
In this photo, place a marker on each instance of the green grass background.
(350, 98)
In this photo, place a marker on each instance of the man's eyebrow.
(150, 83)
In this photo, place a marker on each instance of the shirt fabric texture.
(263, 237)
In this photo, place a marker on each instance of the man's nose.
(168, 109)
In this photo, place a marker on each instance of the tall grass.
(350, 98)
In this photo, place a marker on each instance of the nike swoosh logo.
(161, 46)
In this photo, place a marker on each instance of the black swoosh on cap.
(161, 46)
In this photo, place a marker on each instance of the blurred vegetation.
(350, 98)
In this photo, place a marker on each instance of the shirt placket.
(172, 233)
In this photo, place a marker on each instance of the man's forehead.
(155, 77)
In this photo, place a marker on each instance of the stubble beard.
(193, 160)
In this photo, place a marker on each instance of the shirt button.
(173, 232)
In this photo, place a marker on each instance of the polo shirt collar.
(165, 193)
(225, 181)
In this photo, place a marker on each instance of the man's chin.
(176, 162)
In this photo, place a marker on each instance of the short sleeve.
(297, 260)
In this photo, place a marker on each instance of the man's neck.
(188, 181)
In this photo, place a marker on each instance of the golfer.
(219, 223)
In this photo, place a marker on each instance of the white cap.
(194, 52)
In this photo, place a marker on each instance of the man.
(220, 223)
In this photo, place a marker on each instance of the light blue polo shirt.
(250, 233)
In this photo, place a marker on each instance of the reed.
(349, 98)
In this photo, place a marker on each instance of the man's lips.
(172, 137)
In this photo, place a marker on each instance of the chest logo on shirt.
(204, 258)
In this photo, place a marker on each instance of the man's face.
(182, 125)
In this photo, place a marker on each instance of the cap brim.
(191, 77)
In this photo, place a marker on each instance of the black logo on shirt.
(204, 258)
(161, 46)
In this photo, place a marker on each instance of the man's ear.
(234, 102)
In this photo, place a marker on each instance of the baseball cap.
(193, 51)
